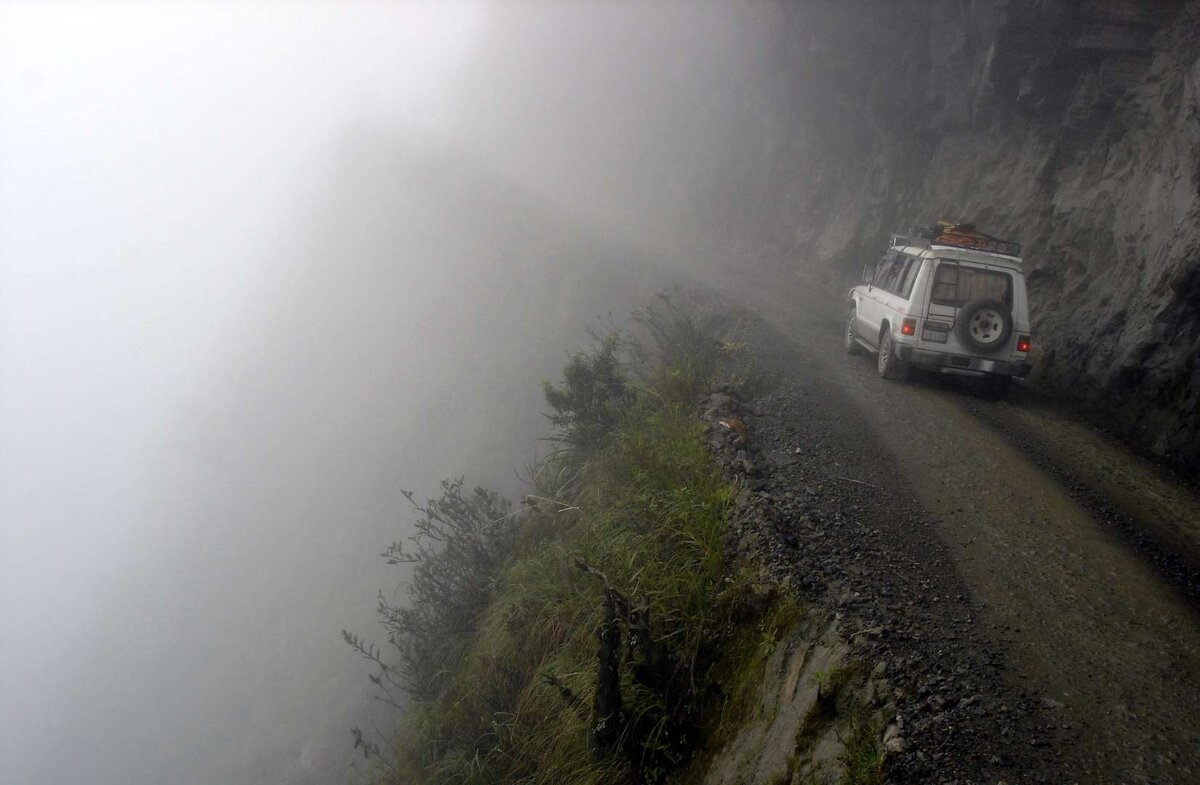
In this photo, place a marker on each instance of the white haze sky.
(263, 265)
(154, 162)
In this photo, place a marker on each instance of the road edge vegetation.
(599, 632)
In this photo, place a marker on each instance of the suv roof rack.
(962, 235)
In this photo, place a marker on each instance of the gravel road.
(1036, 582)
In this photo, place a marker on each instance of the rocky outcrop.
(1071, 127)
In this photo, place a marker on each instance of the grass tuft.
(863, 755)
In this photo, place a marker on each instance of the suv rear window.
(956, 285)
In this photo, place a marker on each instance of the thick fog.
(261, 268)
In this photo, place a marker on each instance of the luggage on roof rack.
(956, 236)
(965, 235)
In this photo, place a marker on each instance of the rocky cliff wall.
(1071, 127)
(819, 127)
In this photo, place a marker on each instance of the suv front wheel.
(890, 365)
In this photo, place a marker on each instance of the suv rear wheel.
(852, 344)
(890, 365)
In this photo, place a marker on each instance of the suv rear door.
(955, 283)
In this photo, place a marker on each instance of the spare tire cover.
(984, 325)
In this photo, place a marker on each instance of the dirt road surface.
(1079, 558)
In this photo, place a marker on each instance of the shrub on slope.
(596, 638)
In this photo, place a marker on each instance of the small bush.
(588, 404)
(685, 349)
(461, 541)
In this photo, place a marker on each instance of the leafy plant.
(462, 539)
(594, 392)
(685, 348)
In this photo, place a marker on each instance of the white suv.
(949, 299)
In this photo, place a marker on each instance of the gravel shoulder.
(1025, 592)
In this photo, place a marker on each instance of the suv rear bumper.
(953, 363)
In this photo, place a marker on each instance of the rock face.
(765, 749)
(1071, 127)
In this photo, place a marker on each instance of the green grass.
(863, 756)
(643, 511)
(650, 520)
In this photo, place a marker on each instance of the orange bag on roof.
(961, 235)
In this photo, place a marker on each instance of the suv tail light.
(909, 327)
(1022, 343)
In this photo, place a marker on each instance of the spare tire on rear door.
(984, 325)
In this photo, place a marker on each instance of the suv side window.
(882, 268)
(898, 274)
(909, 277)
(889, 273)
